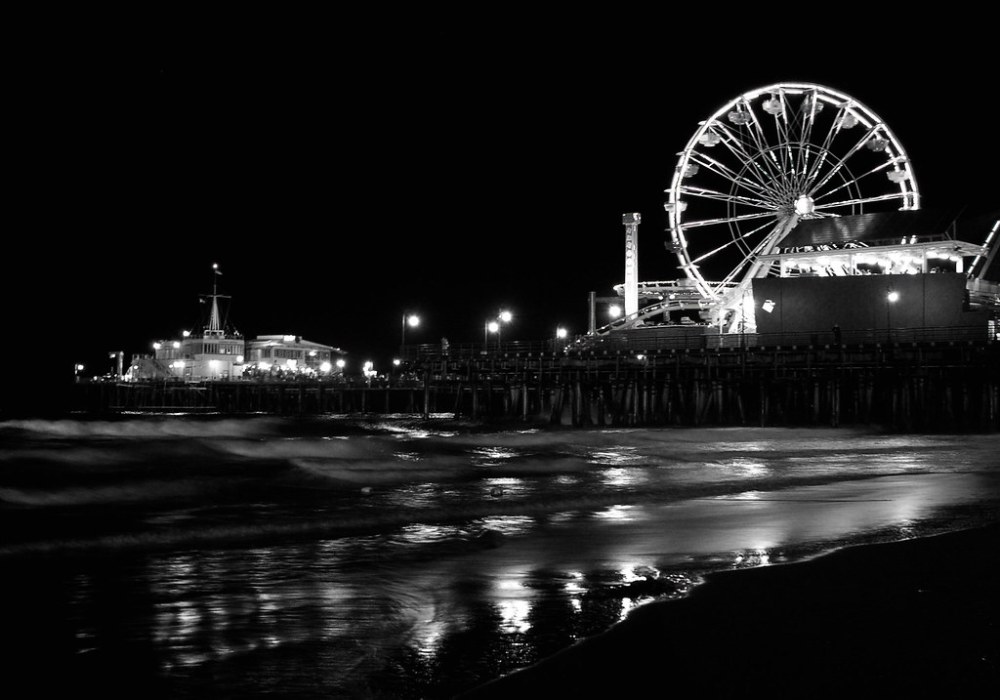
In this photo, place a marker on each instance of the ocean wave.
(293, 448)
(117, 494)
(143, 428)
(382, 472)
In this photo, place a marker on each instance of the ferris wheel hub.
(804, 205)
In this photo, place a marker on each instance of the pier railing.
(649, 340)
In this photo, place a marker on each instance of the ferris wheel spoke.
(757, 133)
(723, 130)
(793, 126)
(727, 220)
(738, 147)
(723, 197)
(741, 146)
(805, 137)
(785, 149)
(778, 173)
(854, 181)
(723, 171)
(843, 160)
(825, 150)
(787, 124)
(809, 117)
(862, 200)
(734, 241)
(763, 246)
(807, 148)
(716, 166)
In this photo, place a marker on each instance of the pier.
(925, 384)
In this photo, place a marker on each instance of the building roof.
(869, 228)
(889, 228)
(291, 340)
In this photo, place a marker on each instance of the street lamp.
(489, 327)
(411, 320)
(560, 342)
(504, 317)
(891, 297)
(495, 325)
(614, 311)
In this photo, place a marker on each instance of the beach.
(913, 618)
(213, 557)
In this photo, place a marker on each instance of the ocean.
(398, 557)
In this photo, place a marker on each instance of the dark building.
(915, 272)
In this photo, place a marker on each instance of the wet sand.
(909, 619)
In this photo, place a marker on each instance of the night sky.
(343, 172)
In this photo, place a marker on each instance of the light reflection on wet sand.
(603, 563)
(684, 529)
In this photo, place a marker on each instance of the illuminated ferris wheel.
(763, 162)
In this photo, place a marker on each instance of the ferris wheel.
(766, 160)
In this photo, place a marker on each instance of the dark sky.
(341, 173)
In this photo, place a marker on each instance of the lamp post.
(561, 334)
(743, 321)
(411, 320)
(489, 327)
(891, 297)
(502, 318)
(494, 326)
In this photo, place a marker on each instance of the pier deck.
(918, 385)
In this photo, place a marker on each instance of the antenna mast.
(214, 325)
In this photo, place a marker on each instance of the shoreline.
(911, 616)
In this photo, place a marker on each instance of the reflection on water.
(509, 524)
(616, 513)
(491, 456)
(514, 615)
(421, 533)
(745, 468)
(617, 454)
(623, 477)
(469, 557)
(491, 610)
(756, 556)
